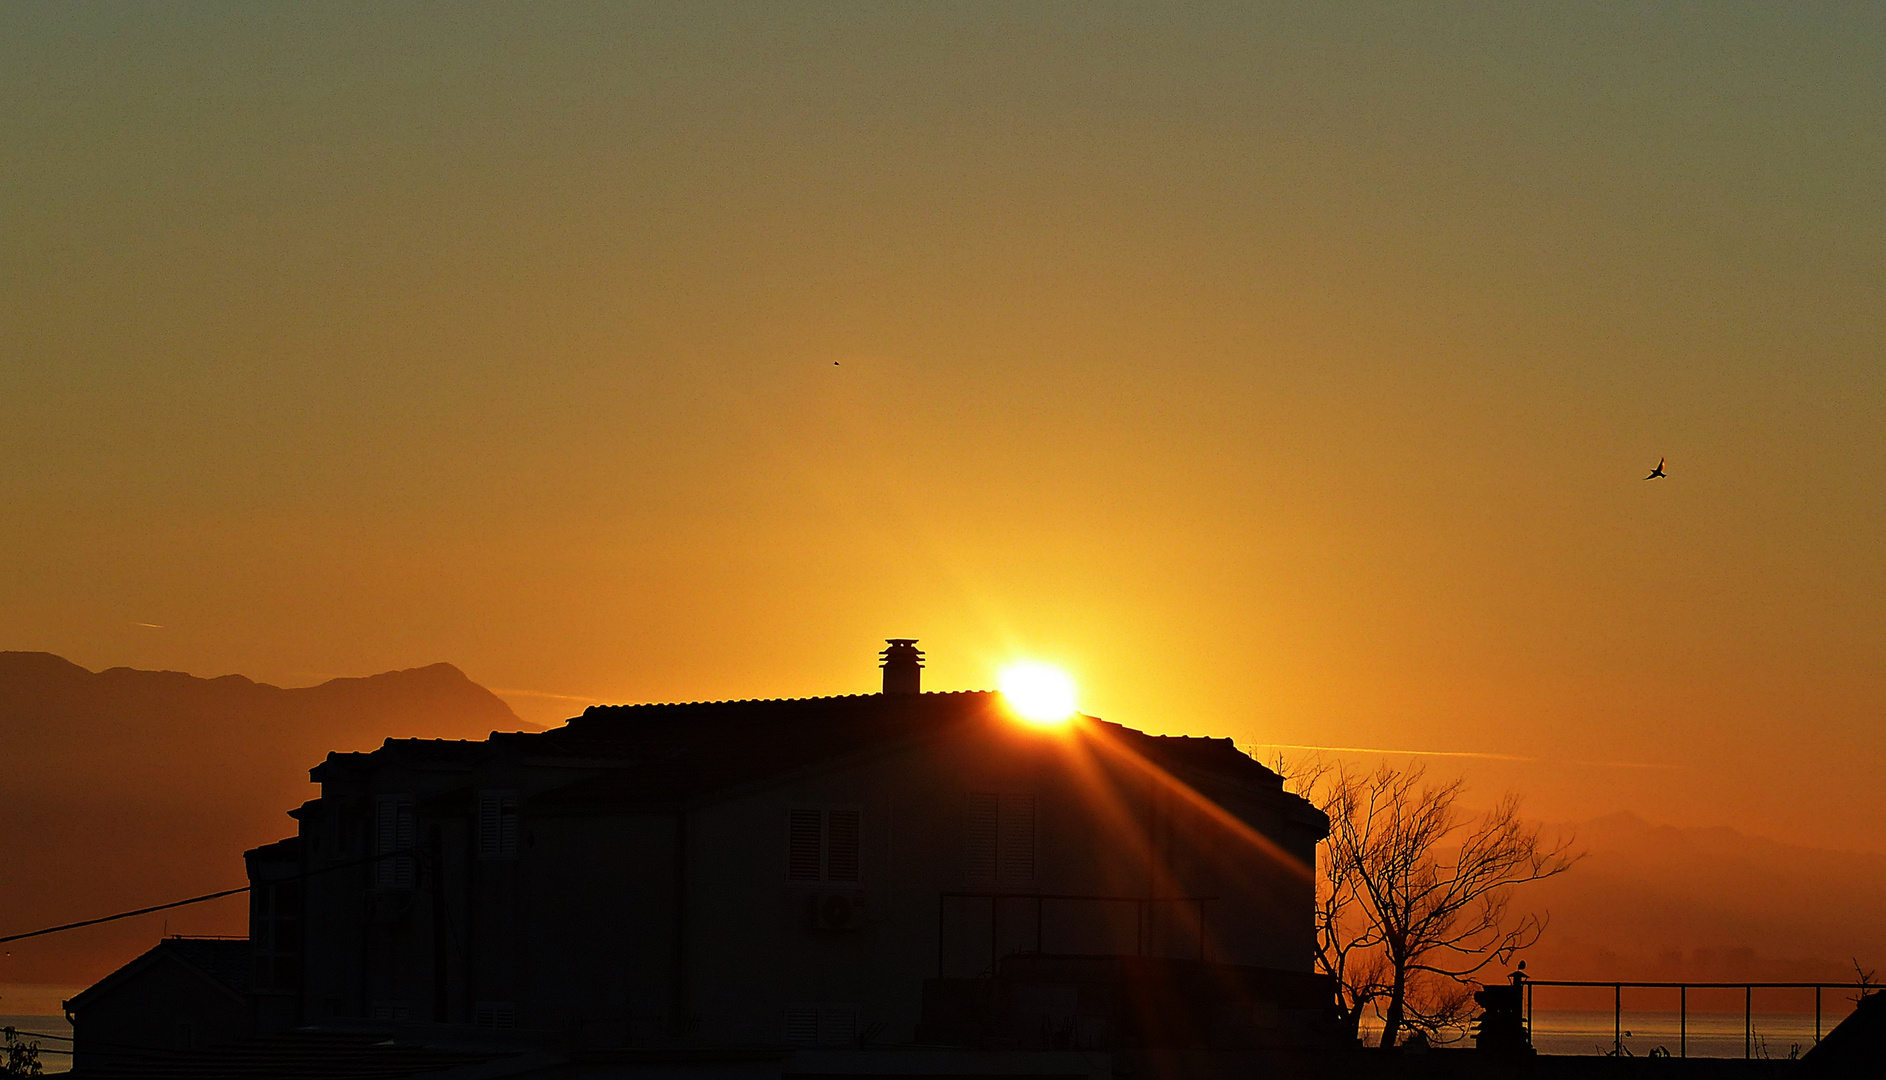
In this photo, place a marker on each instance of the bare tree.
(1413, 895)
(1865, 982)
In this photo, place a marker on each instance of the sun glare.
(1038, 693)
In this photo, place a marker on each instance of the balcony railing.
(1683, 992)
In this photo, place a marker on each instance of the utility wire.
(123, 915)
(200, 899)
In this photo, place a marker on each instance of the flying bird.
(1658, 471)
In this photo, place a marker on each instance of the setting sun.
(1038, 693)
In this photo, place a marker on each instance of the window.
(822, 1025)
(1016, 839)
(823, 845)
(804, 845)
(497, 824)
(393, 832)
(841, 844)
(397, 1011)
(802, 1025)
(999, 842)
(275, 935)
(984, 811)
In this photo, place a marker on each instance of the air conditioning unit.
(495, 1014)
(838, 911)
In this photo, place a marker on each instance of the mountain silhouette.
(124, 788)
(1667, 903)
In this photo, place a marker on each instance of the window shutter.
(497, 825)
(385, 828)
(1017, 840)
(393, 831)
(802, 1025)
(841, 845)
(802, 845)
(838, 1026)
(385, 837)
(489, 804)
(403, 832)
(507, 827)
(983, 812)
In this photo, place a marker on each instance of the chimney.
(903, 666)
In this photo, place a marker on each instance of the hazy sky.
(1287, 374)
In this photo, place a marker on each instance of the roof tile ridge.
(774, 701)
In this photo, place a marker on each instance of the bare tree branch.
(1413, 896)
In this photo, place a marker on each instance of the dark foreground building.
(186, 994)
(851, 883)
(892, 885)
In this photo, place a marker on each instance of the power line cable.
(123, 915)
(200, 899)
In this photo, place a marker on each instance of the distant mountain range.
(123, 788)
(1661, 903)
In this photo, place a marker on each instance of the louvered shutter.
(403, 839)
(1016, 840)
(842, 828)
(497, 825)
(507, 827)
(393, 831)
(385, 837)
(838, 1026)
(803, 836)
(490, 812)
(983, 812)
(802, 1025)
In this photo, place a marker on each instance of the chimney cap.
(903, 666)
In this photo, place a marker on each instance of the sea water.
(1710, 1033)
(53, 1035)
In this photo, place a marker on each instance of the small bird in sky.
(1656, 472)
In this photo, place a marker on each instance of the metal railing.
(1683, 993)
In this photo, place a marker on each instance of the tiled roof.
(224, 961)
(1220, 756)
(653, 754)
(678, 751)
(288, 850)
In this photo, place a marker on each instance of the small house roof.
(224, 962)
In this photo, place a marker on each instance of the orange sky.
(1288, 376)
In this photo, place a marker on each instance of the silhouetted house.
(1856, 1047)
(185, 994)
(872, 871)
